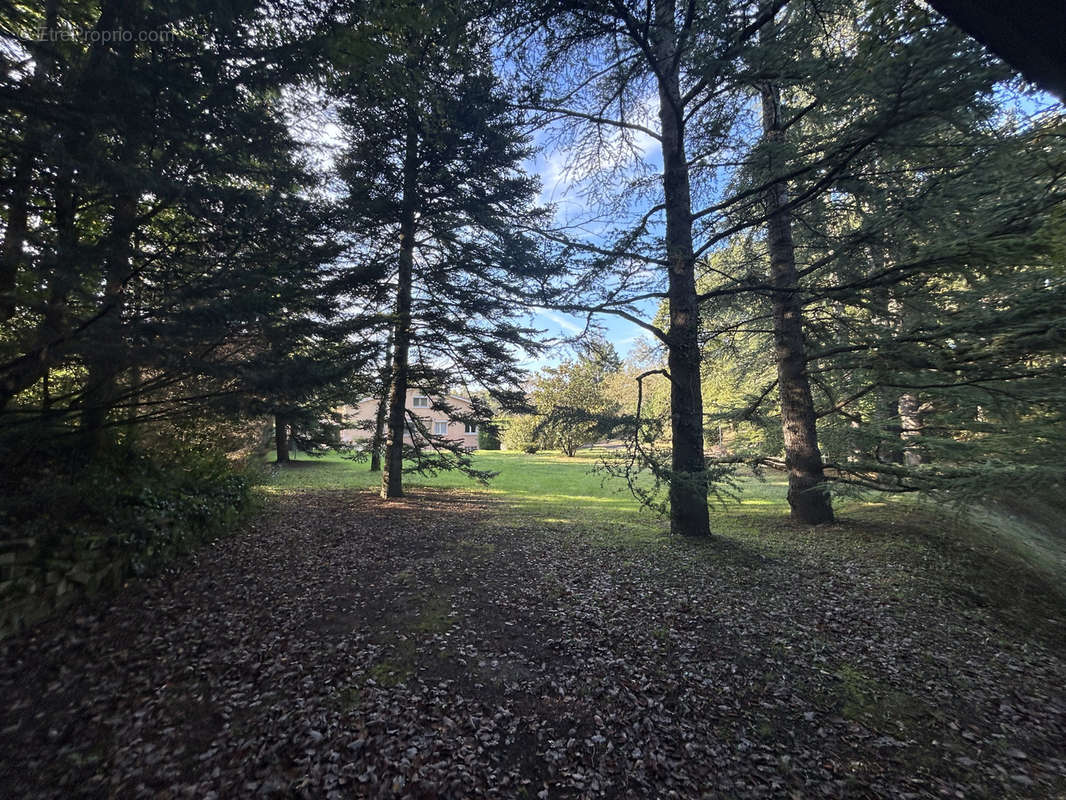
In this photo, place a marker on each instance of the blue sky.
(562, 189)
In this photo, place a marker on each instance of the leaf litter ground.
(444, 646)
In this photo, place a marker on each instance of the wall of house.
(366, 411)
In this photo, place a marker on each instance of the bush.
(186, 501)
(488, 437)
(519, 433)
(147, 508)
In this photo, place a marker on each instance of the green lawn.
(574, 492)
(549, 486)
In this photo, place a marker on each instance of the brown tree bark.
(281, 439)
(808, 496)
(392, 475)
(689, 514)
(378, 438)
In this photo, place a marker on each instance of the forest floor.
(453, 644)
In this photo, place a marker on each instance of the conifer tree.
(898, 154)
(433, 166)
(166, 184)
(612, 77)
(808, 496)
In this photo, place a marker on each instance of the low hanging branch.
(447, 454)
(642, 454)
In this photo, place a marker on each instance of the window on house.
(440, 428)
(420, 401)
(470, 428)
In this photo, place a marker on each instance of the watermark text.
(87, 35)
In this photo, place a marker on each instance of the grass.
(547, 486)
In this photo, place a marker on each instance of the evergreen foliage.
(439, 204)
(170, 261)
(840, 222)
(917, 203)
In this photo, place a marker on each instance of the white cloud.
(565, 322)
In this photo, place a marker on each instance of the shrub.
(488, 437)
(519, 433)
(148, 508)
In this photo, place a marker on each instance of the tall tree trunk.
(808, 496)
(910, 420)
(383, 409)
(108, 359)
(109, 354)
(281, 439)
(392, 475)
(689, 514)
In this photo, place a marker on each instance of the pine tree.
(808, 496)
(167, 184)
(433, 165)
(615, 75)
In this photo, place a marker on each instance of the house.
(418, 403)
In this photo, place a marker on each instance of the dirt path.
(341, 647)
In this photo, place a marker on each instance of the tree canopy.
(840, 225)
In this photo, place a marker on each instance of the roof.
(466, 400)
